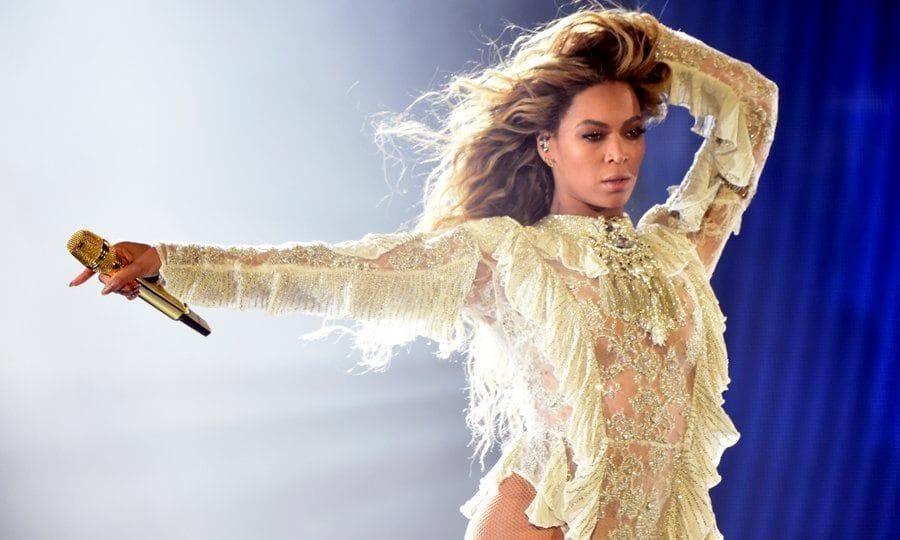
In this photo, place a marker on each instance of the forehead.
(611, 102)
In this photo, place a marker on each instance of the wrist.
(742, 191)
(156, 266)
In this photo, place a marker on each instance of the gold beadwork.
(634, 289)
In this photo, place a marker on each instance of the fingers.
(130, 252)
(144, 265)
(129, 290)
(116, 282)
(124, 288)
(121, 278)
(82, 277)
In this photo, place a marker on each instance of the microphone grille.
(92, 251)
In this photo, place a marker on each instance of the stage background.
(245, 123)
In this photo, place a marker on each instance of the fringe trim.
(389, 307)
(536, 291)
(654, 305)
(690, 513)
(490, 483)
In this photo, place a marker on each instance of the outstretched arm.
(735, 109)
(399, 285)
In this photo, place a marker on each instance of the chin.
(617, 202)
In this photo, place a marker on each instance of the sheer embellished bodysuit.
(596, 344)
(643, 310)
(645, 345)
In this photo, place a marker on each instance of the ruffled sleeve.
(395, 286)
(735, 109)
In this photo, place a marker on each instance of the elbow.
(758, 90)
(764, 111)
(770, 94)
(766, 95)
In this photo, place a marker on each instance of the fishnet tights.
(502, 517)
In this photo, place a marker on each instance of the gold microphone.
(96, 253)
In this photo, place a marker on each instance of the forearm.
(735, 110)
(756, 93)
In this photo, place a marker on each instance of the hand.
(139, 260)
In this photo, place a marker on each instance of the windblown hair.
(486, 163)
(484, 148)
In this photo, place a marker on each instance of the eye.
(635, 133)
(594, 136)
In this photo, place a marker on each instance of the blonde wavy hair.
(483, 150)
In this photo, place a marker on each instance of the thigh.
(502, 517)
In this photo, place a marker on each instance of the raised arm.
(398, 285)
(735, 109)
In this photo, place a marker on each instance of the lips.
(617, 178)
(616, 182)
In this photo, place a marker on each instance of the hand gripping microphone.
(96, 253)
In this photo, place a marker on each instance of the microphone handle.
(155, 295)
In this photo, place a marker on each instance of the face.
(596, 152)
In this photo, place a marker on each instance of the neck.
(585, 209)
(599, 212)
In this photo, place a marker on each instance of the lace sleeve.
(396, 286)
(735, 109)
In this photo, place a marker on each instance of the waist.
(645, 442)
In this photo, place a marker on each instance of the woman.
(595, 349)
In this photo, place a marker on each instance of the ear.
(544, 145)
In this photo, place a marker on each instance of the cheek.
(569, 148)
(579, 155)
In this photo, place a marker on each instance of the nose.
(615, 152)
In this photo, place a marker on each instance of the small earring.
(551, 163)
(545, 146)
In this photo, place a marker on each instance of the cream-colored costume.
(601, 342)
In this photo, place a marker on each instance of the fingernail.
(71, 283)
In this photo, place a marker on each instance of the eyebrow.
(600, 124)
